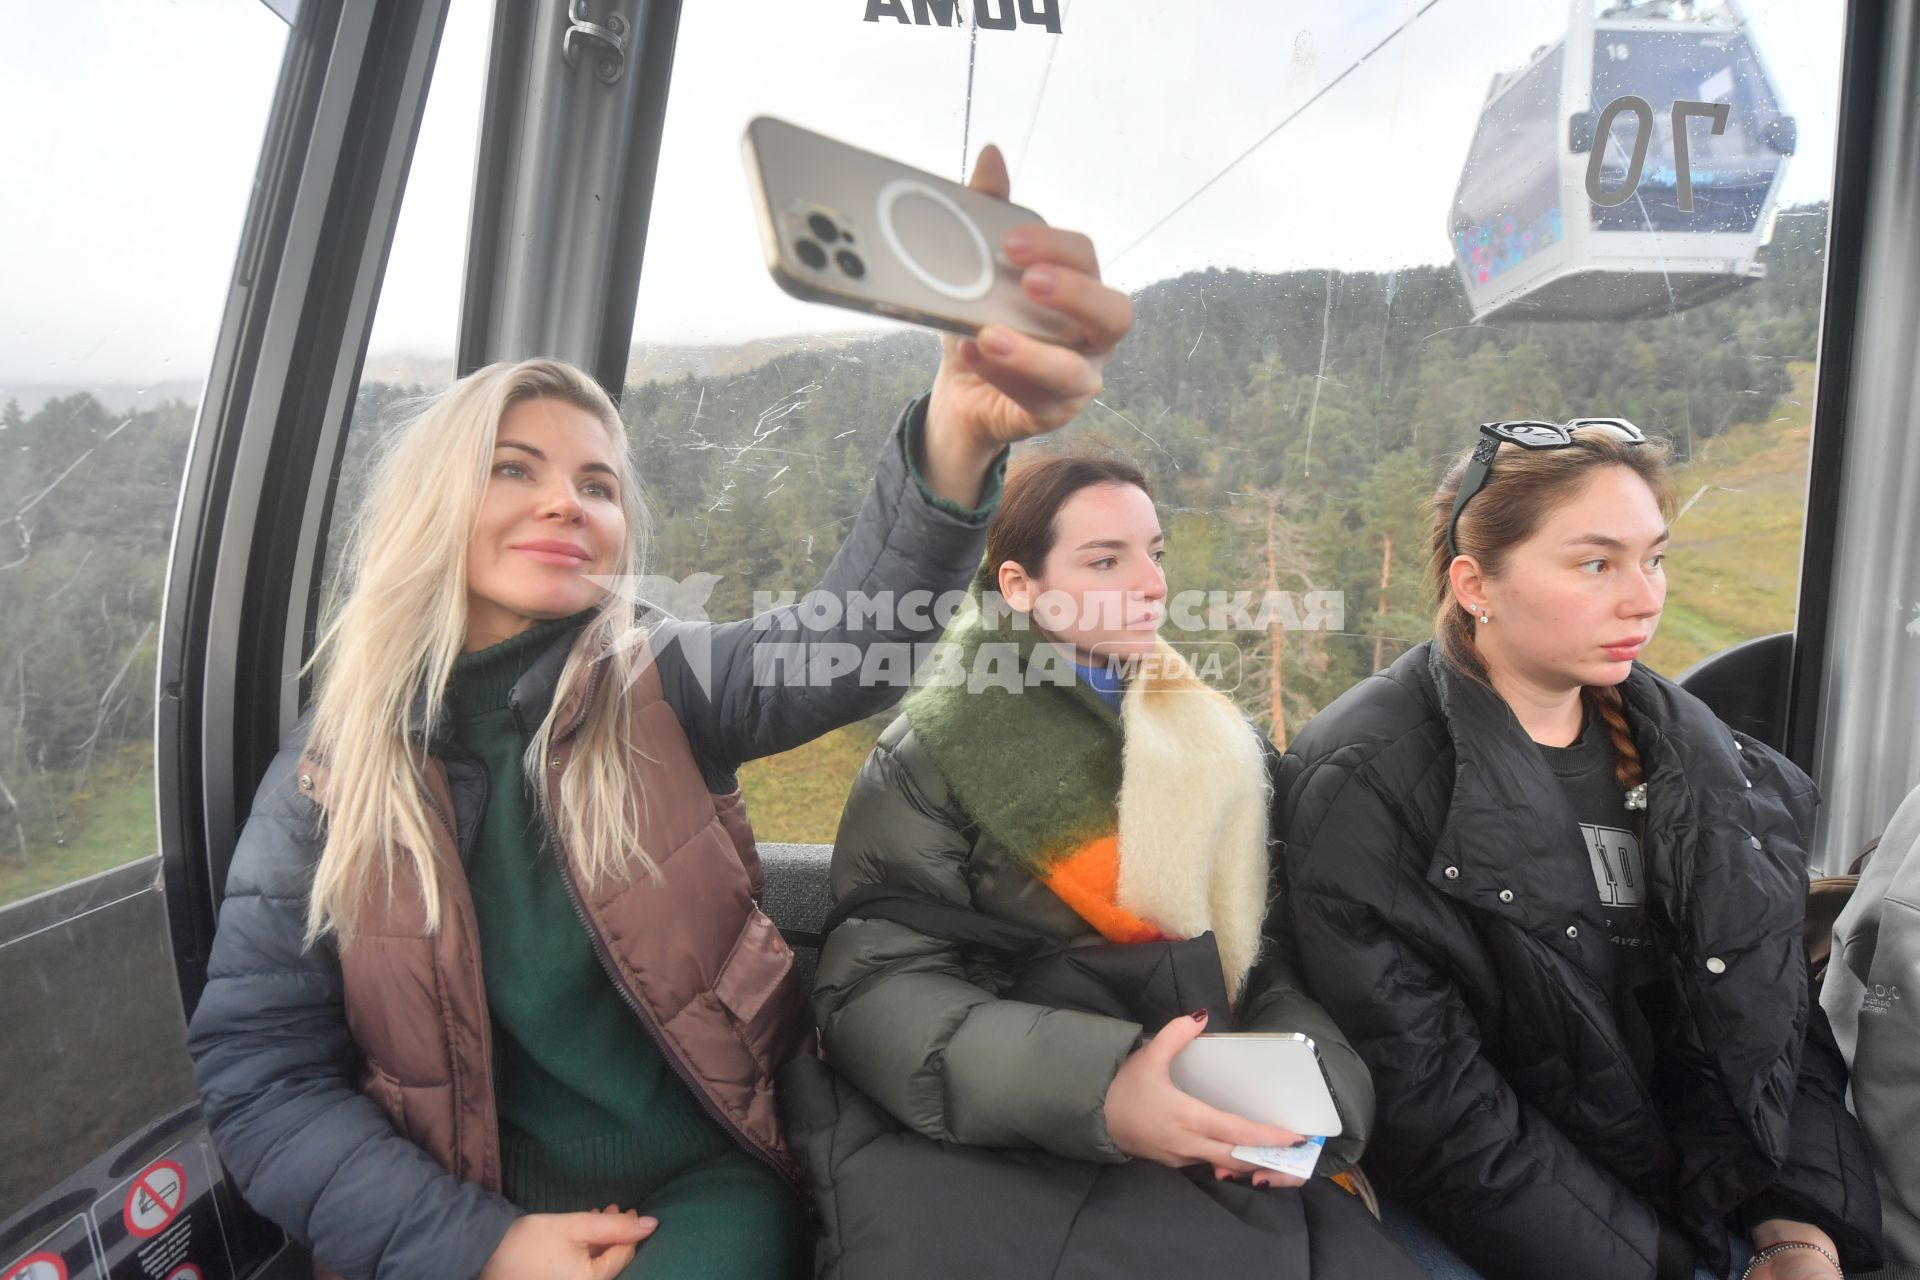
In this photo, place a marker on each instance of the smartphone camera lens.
(810, 253)
(822, 227)
(850, 263)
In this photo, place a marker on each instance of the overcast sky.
(131, 130)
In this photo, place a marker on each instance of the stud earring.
(1485, 617)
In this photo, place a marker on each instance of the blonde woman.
(490, 994)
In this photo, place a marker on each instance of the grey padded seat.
(798, 899)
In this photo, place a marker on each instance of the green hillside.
(1735, 565)
(1734, 570)
(1294, 426)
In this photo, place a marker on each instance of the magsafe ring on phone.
(935, 240)
(854, 229)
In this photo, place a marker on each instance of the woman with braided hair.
(1557, 904)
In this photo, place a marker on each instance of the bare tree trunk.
(1386, 580)
(1274, 645)
(105, 707)
(20, 739)
(19, 828)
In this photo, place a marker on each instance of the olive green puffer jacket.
(922, 1030)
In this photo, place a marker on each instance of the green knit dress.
(591, 1111)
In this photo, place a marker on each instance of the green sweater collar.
(482, 679)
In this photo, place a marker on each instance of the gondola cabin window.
(1349, 236)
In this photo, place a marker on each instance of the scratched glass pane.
(120, 227)
(1349, 237)
(410, 351)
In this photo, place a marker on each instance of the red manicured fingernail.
(1198, 1015)
(998, 342)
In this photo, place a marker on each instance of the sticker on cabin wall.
(37, 1266)
(154, 1199)
(164, 1222)
(985, 15)
(64, 1253)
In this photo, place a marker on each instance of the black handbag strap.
(938, 918)
(1147, 983)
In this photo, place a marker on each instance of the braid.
(1605, 702)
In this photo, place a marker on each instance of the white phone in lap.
(846, 227)
(1265, 1077)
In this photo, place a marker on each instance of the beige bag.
(1827, 897)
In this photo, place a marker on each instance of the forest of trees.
(1293, 424)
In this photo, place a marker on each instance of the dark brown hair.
(1522, 489)
(1022, 529)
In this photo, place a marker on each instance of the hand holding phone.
(853, 229)
(1149, 1117)
(1040, 333)
(1005, 386)
(1275, 1079)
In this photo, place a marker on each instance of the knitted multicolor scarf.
(1149, 824)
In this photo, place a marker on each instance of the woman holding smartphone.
(1557, 904)
(490, 994)
(1066, 775)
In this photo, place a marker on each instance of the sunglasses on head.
(1527, 434)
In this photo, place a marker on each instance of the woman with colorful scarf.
(1062, 771)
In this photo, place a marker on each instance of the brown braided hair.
(1604, 701)
(1523, 487)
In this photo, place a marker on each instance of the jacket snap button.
(1506, 895)
(306, 782)
(1754, 841)
(1573, 931)
(1453, 873)
(1716, 965)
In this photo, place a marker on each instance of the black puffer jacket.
(1447, 918)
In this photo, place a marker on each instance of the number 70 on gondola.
(1584, 128)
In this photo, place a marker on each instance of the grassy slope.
(108, 822)
(797, 796)
(1735, 568)
(1735, 573)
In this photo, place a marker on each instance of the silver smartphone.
(846, 227)
(1268, 1077)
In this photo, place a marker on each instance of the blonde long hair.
(1523, 487)
(384, 658)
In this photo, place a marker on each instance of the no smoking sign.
(64, 1253)
(154, 1199)
(37, 1266)
(164, 1221)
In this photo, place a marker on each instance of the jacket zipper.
(645, 1015)
(486, 1025)
(1617, 1045)
(648, 1021)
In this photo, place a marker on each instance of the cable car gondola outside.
(1631, 168)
